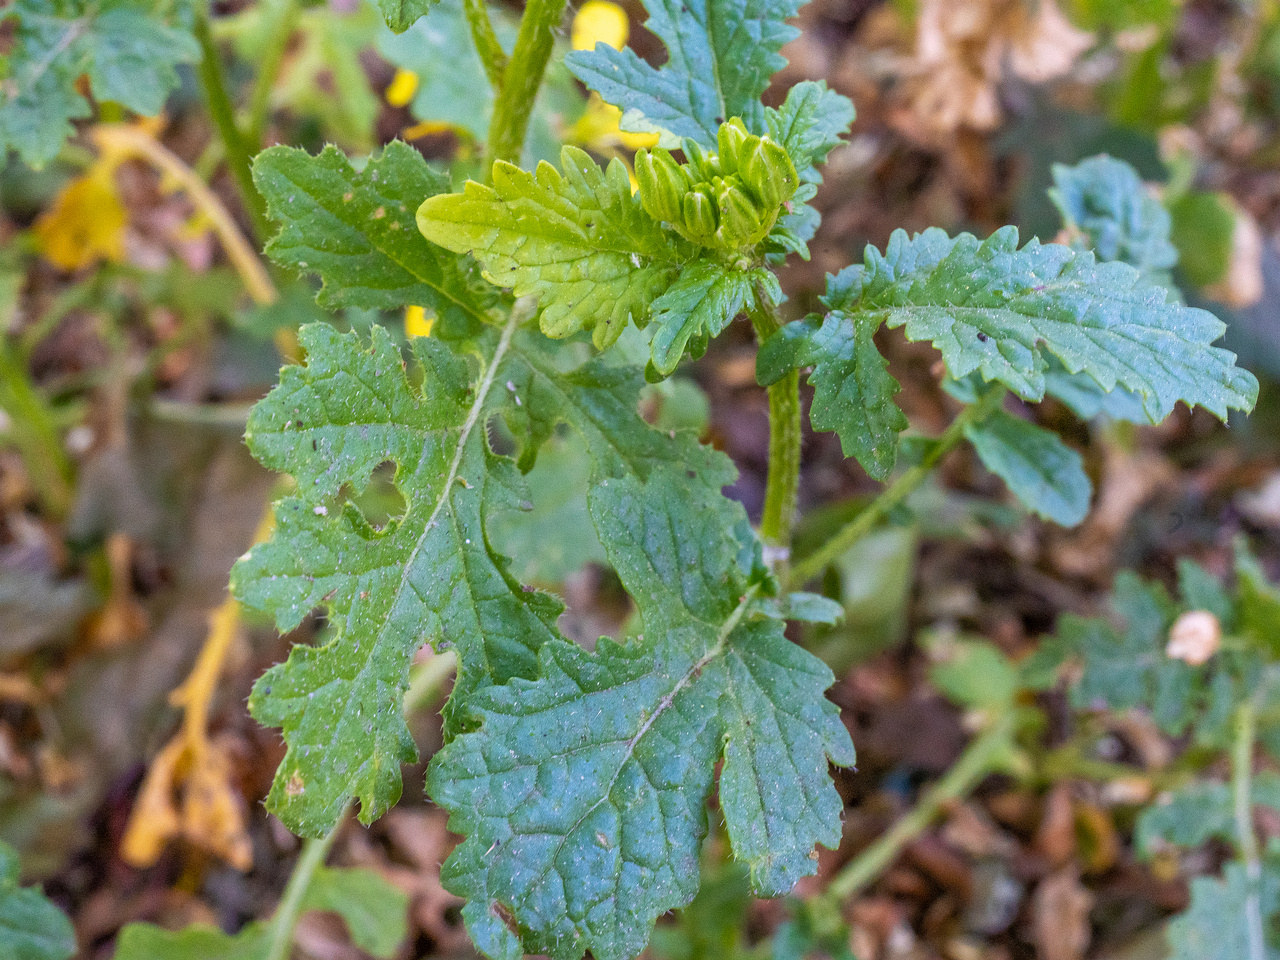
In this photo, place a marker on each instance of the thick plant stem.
(1247, 840)
(522, 78)
(899, 490)
(286, 916)
(222, 111)
(492, 56)
(783, 481)
(980, 758)
(280, 18)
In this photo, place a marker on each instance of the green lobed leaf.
(1043, 472)
(356, 230)
(375, 911)
(1215, 926)
(430, 575)
(853, 389)
(1105, 200)
(1258, 601)
(583, 794)
(991, 307)
(1127, 667)
(128, 50)
(721, 56)
(31, 928)
(703, 301)
(580, 242)
(197, 941)
(1186, 817)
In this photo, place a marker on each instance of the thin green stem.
(222, 112)
(898, 491)
(285, 920)
(1242, 793)
(982, 757)
(492, 56)
(522, 78)
(279, 20)
(783, 481)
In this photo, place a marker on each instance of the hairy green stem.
(782, 483)
(222, 112)
(492, 56)
(899, 490)
(522, 78)
(285, 920)
(1242, 793)
(280, 17)
(981, 758)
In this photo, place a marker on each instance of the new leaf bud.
(741, 221)
(662, 185)
(769, 173)
(734, 143)
(699, 216)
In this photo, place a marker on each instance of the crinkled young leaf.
(356, 230)
(721, 56)
(1188, 817)
(991, 307)
(583, 794)
(580, 242)
(31, 928)
(1216, 925)
(1105, 199)
(128, 50)
(853, 389)
(1042, 471)
(811, 122)
(703, 301)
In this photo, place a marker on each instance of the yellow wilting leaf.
(402, 88)
(417, 323)
(187, 791)
(599, 21)
(86, 222)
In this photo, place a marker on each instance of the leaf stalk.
(222, 112)
(492, 56)
(899, 490)
(286, 916)
(782, 484)
(982, 757)
(1246, 729)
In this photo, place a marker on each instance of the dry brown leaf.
(964, 49)
(1060, 916)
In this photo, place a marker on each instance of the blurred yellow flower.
(86, 222)
(402, 88)
(417, 323)
(599, 21)
(598, 128)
